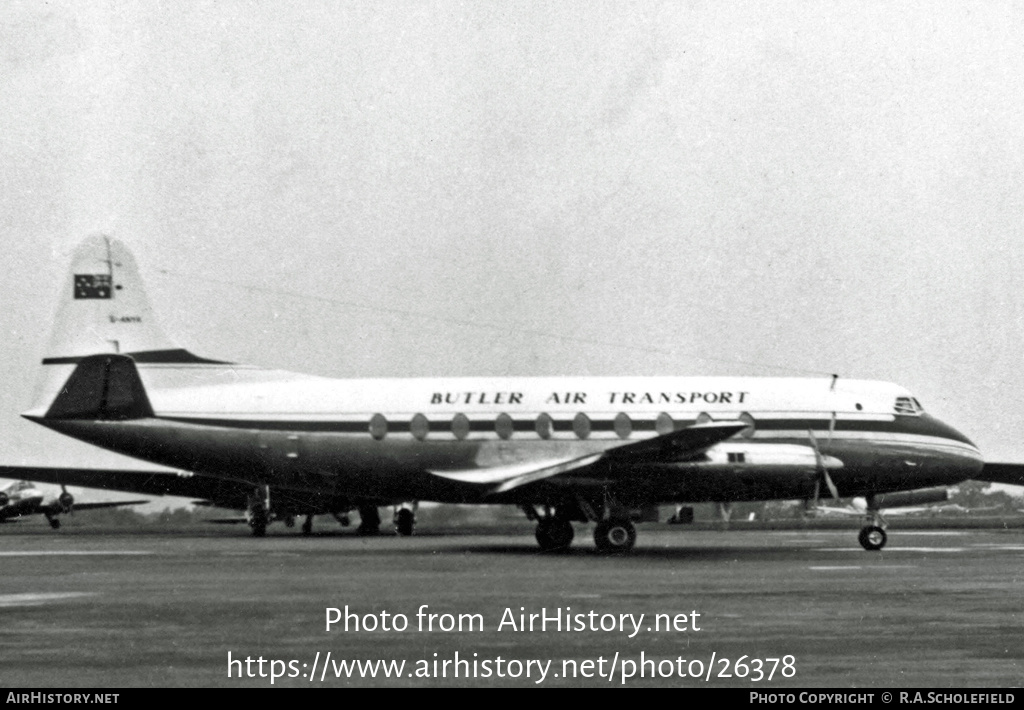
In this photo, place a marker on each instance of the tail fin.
(103, 310)
(103, 306)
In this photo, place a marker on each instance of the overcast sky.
(531, 188)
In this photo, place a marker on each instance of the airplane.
(23, 498)
(206, 491)
(564, 449)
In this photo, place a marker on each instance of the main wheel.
(554, 534)
(615, 535)
(54, 523)
(872, 537)
(369, 520)
(404, 522)
(258, 520)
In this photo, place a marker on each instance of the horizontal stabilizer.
(104, 387)
(1012, 473)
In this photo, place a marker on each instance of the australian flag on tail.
(92, 286)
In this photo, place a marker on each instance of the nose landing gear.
(872, 536)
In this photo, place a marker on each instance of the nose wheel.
(872, 537)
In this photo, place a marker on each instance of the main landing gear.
(259, 510)
(405, 518)
(554, 534)
(554, 526)
(872, 536)
(615, 535)
(369, 520)
(614, 531)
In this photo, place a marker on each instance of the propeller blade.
(822, 471)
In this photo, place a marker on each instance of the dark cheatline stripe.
(923, 425)
(177, 356)
(278, 425)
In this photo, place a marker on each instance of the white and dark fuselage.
(449, 439)
(578, 448)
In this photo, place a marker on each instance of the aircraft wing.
(677, 445)
(1012, 473)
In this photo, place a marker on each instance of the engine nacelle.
(923, 496)
(4, 499)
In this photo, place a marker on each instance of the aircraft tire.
(404, 523)
(554, 534)
(369, 520)
(55, 524)
(307, 525)
(615, 535)
(872, 537)
(258, 522)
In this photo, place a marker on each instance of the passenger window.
(623, 425)
(378, 426)
(751, 426)
(664, 424)
(419, 427)
(581, 425)
(543, 426)
(503, 425)
(460, 426)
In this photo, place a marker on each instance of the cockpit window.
(908, 405)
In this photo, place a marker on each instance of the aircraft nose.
(940, 428)
(962, 455)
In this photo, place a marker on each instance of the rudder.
(103, 306)
(102, 309)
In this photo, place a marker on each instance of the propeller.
(822, 472)
(66, 501)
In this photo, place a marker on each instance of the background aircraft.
(23, 498)
(216, 492)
